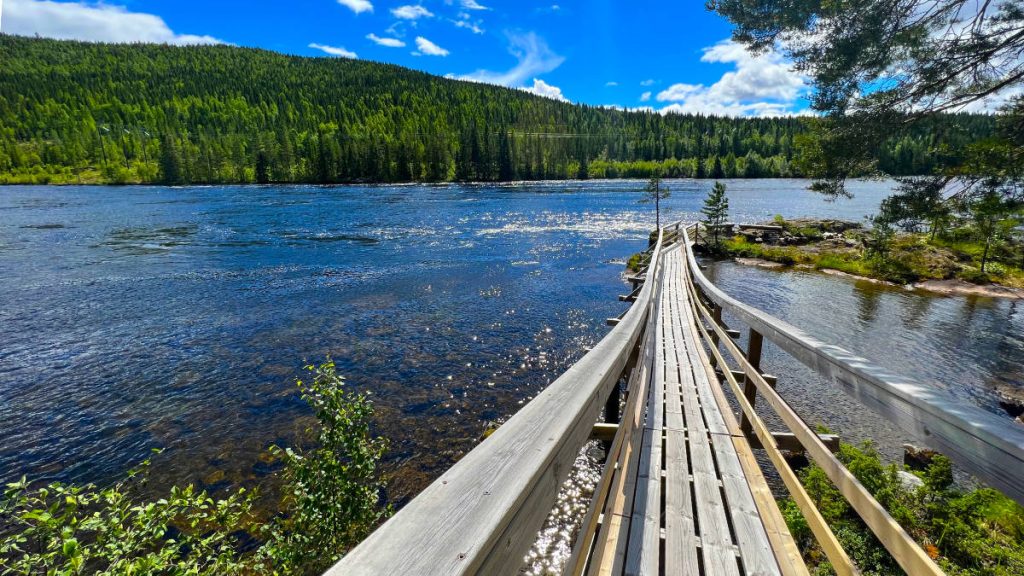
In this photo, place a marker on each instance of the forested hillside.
(83, 112)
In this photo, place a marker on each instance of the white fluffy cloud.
(389, 42)
(761, 85)
(95, 22)
(473, 5)
(429, 48)
(533, 56)
(646, 96)
(542, 88)
(357, 6)
(334, 50)
(411, 12)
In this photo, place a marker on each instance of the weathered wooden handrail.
(985, 445)
(483, 514)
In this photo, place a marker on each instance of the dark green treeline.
(83, 112)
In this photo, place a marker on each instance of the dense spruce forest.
(74, 112)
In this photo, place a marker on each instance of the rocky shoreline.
(937, 287)
(836, 247)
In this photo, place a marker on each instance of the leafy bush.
(967, 532)
(638, 261)
(61, 529)
(330, 502)
(740, 247)
(332, 495)
(974, 276)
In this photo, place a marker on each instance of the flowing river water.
(134, 318)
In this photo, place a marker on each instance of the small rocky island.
(841, 247)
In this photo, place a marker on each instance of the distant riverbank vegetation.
(73, 112)
(331, 499)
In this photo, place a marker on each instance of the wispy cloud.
(466, 21)
(357, 6)
(648, 82)
(473, 5)
(389, 42)
(334, 50)
(611, 83)
(97, 22)
(428, 48)
(534, 58)
(471, 26)
(542, 88)
(646, 96)
(760, 85)
(411, 12)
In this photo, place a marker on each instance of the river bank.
(911, 261)
(940, 287)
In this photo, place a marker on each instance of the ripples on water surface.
(142, 317)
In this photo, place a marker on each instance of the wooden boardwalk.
(682, 492)
(685, 495)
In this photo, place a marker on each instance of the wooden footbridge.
(683, 490)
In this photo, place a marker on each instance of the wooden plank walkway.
(682, 492)
(686, 495)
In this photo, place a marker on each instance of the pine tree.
(171, 170)
(716, 213)
(655, 192)
(262, 167)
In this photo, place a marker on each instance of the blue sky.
(672, 56)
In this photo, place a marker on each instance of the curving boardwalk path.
(685, 495)
(678, 404)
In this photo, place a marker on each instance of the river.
(134, 318)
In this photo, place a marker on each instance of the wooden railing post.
(611, 410)
(716, 316)
(749, 388)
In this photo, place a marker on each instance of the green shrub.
(974, 275)
(854, 266)
(62, 529)
(330, 502)
(740, 247)
(976, 531)
(638, 261)
(332, 494)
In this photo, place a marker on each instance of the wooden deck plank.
(712, 516)
(643, 551)
(751, 537)
(680, 533)
(680, 502)
(783, 547)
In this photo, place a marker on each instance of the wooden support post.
(604, 432)
(749, 388)
(611, 405)
(716, 316)
(790, 443)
